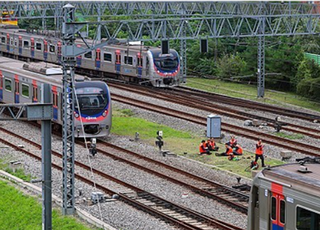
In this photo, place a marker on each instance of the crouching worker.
(211, 145)
(203, 149)
(229, 150)
(237, 150)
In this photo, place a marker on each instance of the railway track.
(241, 131)
(249, 104)
(193, 101)
(175, 214)
(200, 185)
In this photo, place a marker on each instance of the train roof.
(48, 35)
(304, 177)
(40, 71)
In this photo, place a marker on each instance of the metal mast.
(261, 59)
(68, 63)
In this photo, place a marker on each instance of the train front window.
(307, 219)
(92, 100)
(167, 63)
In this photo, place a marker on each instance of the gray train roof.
(48, 35)
(300, 177)
(16, 67)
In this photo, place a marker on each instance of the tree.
(230, 66)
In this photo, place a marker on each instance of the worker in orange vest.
(259, 152)
(237, 150)
(233, 142)
(211, 145)
(228, 151)
(203, 149)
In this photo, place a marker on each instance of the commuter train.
(129, 62)
(22, 82)
(286, 197)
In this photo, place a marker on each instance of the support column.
(68, 63)
(183, 55)
(261, 59)
(46, 164)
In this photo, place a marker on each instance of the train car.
(131, 62)
(286, 197)
(21, 82)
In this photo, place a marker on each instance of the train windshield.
(166, 62)
(91, 100)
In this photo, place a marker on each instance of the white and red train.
(132, 63)
(22, 82)
(286, 197)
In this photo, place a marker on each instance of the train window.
(273, 208)
(38, 46)
(15, 42)
(128, 60)
(25, 44)
(3, 40)
(88, 55)
(25, 90)
(7, 85)
(282, 211)
(52, 48)
(107, 57)
(307, 219)
(11, 41)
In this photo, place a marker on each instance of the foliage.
(230, 66)
(307, 80)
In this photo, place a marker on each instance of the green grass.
(21, 212)
(178, 142)
(250, 92)
(290, 136)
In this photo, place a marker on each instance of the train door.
(32, 47)
(20, 45)
(139, 65)
(118, 61)
(16, 89)
(277, 209)
(8, 42)
(78, 58)
(1, 86)
(98, 58)
(55, 102)
(59, 52)
(45, 50)
(34, 91)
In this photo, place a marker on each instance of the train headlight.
(105, 113)
(76, 115)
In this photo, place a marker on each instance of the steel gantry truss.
(204, 19)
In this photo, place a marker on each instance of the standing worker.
(259, 152)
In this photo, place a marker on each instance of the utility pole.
(68, 64)
(261, 55)
(46, 164)
(69, 53)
